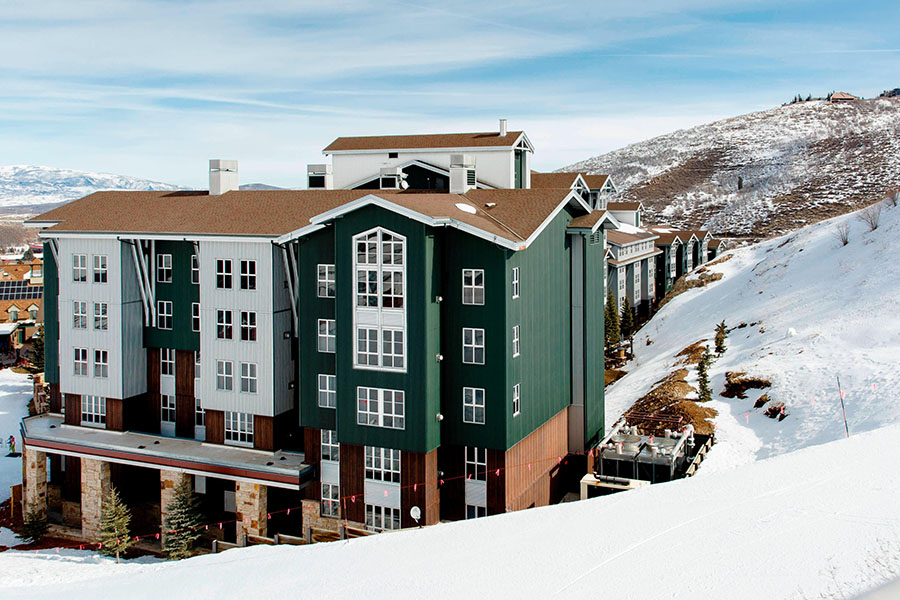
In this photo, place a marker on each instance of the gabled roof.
(596, 182)
(624, 206)
(424, 141)
(593, 221)
(620, 238)
(716, 243)
(556, 180)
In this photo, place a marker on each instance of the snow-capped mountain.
(24, 185)
(798, 164)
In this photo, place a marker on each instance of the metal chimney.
(223, 176)
(502, 127)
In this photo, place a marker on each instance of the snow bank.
(15, 391)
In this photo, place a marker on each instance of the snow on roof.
(8, 328)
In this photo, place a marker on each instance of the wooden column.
(151, 417)
(418, 481)
(263, 432)
(215, 426)
(73, 409)
(184, 393)
(312, 450)
(352, 482)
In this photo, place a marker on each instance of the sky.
(154, 89)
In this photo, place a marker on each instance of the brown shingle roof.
(586, 221)
(595, 182)
(521, 211)
(418, 142)
(623, 205)
(715, 243)
(620, 238)
(552, 180)
(666, 239)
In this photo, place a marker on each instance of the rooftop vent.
(502, 127)
(223, 176)
(319, 177)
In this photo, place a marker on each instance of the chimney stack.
(502, 127)
(223, 176)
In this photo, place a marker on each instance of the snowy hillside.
(23, 185)
(840, 302)
(800, 164)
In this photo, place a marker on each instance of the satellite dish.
(415, 513)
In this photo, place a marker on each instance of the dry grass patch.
(667, 402)
(692, 353)
(683, 284)
(613, 375)
(737, 383)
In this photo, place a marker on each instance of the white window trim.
(329, 390)
(195, 317)
(517, 399)
(329, 281)
(474, 346)
(251, 277)
(161, 268)
(162, 314)
(251, 379)
(237, 419)
(473, 273)
(474, 405)
(326, 336)
(515, 282)
(516, 341)
(380, 414)
(383, 456)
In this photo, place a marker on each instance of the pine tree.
(627, 319)
(114, 534)
(721, 332)
(34, 526)
(704, 393)
(36, 356)
(182, 526)
(611, 321)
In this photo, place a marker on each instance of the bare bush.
(871, 216)
(842, 233)
(893, 197)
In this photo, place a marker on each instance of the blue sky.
(154, 89)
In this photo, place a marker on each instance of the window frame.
(167, 409)
(378, 517)
(326, 396)
(374, 460)
(515, 283)
(163, 268)
(167, 357)
(165, 315)
(330, 500)
(224, 375)
(195, 317)
(325, 280)
(473, 287)
(248, 329)
(329, 336)
(475, 459)
(224, 274)
(517, 399)
(249, 378)
(248, 278)
(373, 404)
(329, 446)
(79, 268)
(474, 346)
(101, 316)
(79, 314)
(516, 340)
(239, 428)
(93, 411)
(473, 402)
(224, 324)
(101, 363)
(83, 362)
(195, 269)
(100, 268)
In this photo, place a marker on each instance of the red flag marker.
(747, 417)
(289, 511)
(498, 472)
(415, 486)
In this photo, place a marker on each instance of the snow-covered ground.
(15, 391)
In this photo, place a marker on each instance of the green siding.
(594, 379)
(182, 293)
(51, 317)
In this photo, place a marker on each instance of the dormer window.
(13, 314)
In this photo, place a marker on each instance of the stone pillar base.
(34, 479)
(251, 502)
(95, 484)
(168, 483)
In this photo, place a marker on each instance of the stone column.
(168, 483)
(34, 479)
(251, 502)
(95, 484)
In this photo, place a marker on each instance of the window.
(164, 314)
(79, 315)
(382, 518)
(224, 375)
(392, 348)
(382, 464)
(223, 325)
(197, 364)
(195, 269)
(515, 282)
(248, 378)
(100, 270)
(380, 408)
(79, 268)
(101, 363)
(101, 316)
(195, 316)
(367, 346)
(223, 273)
(380, 266)
(326, 339)
(473, 286)
(331, 500)
(81, 361)
(325, 280)
(248, 274)
(327, 391)
(167, 361)
(167, 408)
(476, 463)
(516, 401)
(239, 428)
(93, 410)
(515, 340)
(473, 346)
(199, 414)
(33, 313)
(248, 326)
(475, 512)
(331, 449)
(13, 314)
(473, 405)
(164, 268)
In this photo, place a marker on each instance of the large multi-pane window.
(93, 410)
(248, 326)
(167, 361)
(382, 518)
(327, 391)
(248, 377)
(224, 375)
(380, 267)
(476, 463)
(167, 408)
(331, 500)
(473, 346)
(382, 464)
(473, 286)
(473, 405)
(223, 273)
(101, 363)
(515, 340)
(164, 268)
(327, 335)
(100, 268)
(380, 408)
(164, 314)
(79, 268)
(239, 428)
(331, 448)
(79, 314)
(248, 274)
(325, 281)
(81, 361)
(224, 324)
(101, 316)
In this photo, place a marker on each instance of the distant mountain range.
(763, 173)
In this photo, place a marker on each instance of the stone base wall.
(34, 478)
(168, 483)
(95, 484)
(313, 519)
(71, 513)
(251, 502)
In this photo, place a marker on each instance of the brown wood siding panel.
(55, 398)
(453, 492)
(184, 373)
(215, 426)
(115, 415)
(312, 452)
(150, 419)
(537, 486)
(418, 481)
(263, 432)
(352, 481)
(184, 416)
(73, 409)
(496, 486)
